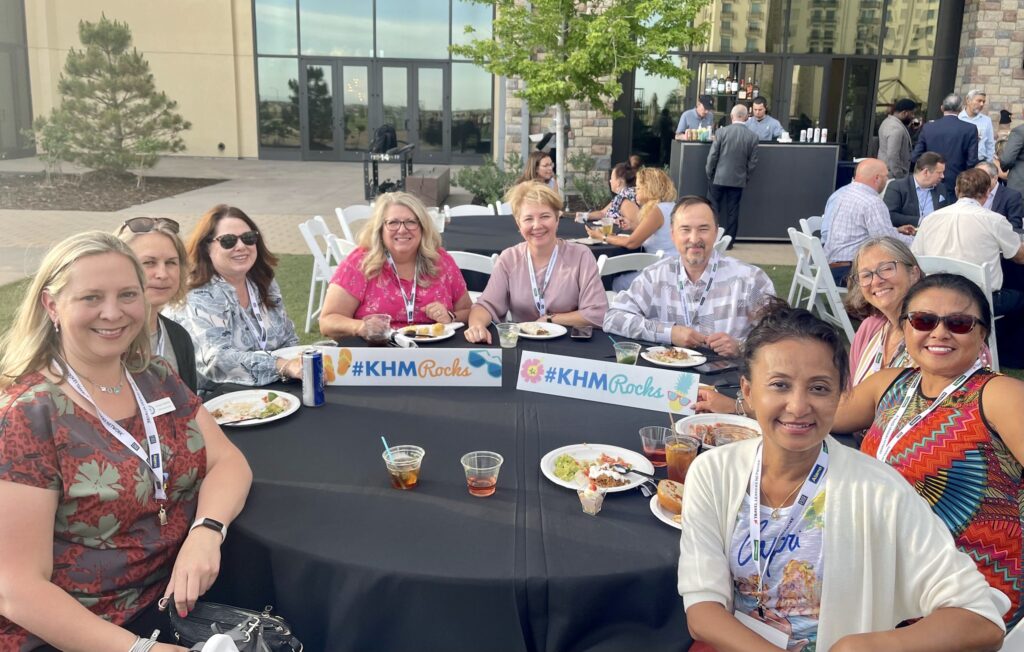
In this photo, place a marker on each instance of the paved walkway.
(278, 195)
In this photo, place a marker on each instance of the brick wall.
(991, 54)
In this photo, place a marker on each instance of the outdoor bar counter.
(791, 181)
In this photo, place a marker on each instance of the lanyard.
(890, 438)
(154, 462)
(159, 349)
(410, 303)
(807, 491)
(260, 331)
(690, 318)
(899, 356)
(538, 293)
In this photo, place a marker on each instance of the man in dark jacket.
(1002, 199)
(914, 196)
(732, 159)
(950, 136)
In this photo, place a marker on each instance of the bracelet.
(144, 644)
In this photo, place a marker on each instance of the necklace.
(106, 389)
(775, 515)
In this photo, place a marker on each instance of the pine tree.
(115, 116)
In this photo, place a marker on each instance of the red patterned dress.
(966, 473)
(109, 550)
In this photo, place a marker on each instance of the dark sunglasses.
(957, 323)
(147, 224)
(229, 240)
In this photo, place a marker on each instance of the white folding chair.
(972, 272)
(468, 209)
(501, 208)
(625, 263)
(471, 262)
(811, 225)
(352, 220)
(323, 268)
(812, 274)
(340, 248)
(722, 243)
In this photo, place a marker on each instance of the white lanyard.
(159, 350)
(538, 293)
(890, 438)
(154, 462)
(899, 356)
(410, 303)
(259, 333)
(807, 492)
(690, 318)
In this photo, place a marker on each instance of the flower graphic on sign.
(532, 370)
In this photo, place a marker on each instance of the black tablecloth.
(357, 565)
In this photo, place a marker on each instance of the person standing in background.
(731, 161)
(766, 127)
(894, 139)
(956, 140)
(972, 113)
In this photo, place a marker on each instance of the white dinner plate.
(663, 514)
(592, 452)
(553, 330)
(448, 332)
(253, 396)
(292, 352)
(684, 424)
(696, 357)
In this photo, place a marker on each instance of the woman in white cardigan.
(848, 548)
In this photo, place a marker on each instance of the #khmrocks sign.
(608, 382)
(412, 367)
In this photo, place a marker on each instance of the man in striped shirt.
(698, 298)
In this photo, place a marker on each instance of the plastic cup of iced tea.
(482, 472)
(653, 440)
(403, 464)
(680, 451)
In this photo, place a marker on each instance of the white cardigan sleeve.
(704, 573)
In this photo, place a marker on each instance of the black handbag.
(251, 631)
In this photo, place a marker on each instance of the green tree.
(570, 49)
(109, 103)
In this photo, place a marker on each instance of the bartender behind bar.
(701, 115)
(766, 127)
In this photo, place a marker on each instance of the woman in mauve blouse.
(565, 274)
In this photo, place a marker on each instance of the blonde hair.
(655, 185)
(371, 238)
(128, 237)
(856, 303)
(32, 342)
(534, 193)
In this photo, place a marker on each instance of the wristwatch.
(213, 524)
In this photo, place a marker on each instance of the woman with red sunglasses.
(952, 428)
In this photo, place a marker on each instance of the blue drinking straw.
(387, 449)
(614, 342)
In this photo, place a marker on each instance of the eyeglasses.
(229, 240)
(884, 271)
(147, 224)
(396, 225)
(957, 323)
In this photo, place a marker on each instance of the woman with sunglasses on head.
(234, 309)
(952, 427)
(399, 269)
(116, 485)
(162, 254)
(793, 541)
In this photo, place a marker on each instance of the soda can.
(312, 378)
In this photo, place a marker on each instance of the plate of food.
(595, 461)
(421, 333)
(711, 428)
(539, 330)
(673, 356)
(251, 407)
(667, 504)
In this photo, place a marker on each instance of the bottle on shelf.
(713, 86)
(741, 89)
(750, 88)
(736, 83)
(757, 90)
(721, 84)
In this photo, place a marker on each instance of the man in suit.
(1012, 159)
(950, 136)
(894, 139)
(1003, 200)
(731, 161)
(913, 197)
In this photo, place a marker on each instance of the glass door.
(319, 107)
(415, 99)
(355, 109)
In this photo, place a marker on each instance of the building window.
(275, 27)
(472, 109)
(278, 102)
(415, 29)
(337, 29)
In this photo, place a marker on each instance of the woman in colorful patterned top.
(624, 207)
(234, 309)
(952, 428)
(399, 269)
(793, 541)
(116, 484)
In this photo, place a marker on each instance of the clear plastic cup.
(680, 451)
(627, 352)
(481, 472)
(403, 464)
(653, 440)
(591, 500)
(378, 328)
(607, 226)
(508, 335)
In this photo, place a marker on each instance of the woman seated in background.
(162, 254)
(107, 504)
(794, 541)
(652, 229)
(624, 207)
(952, 427)
(542, 279)
(540, 167)
(234, 309)
(399, 269)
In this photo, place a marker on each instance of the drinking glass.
(680, 451)
(482, 472)
(626, 352)
(403, 464)
(378, 327)
(653, 440)
(508, 335)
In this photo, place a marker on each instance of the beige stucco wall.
(200, 53)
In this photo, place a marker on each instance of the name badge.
(162, 406)
(763, 629)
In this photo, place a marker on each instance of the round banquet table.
(354, 564)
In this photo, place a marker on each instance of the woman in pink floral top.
(399, 270)
(116, 484)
